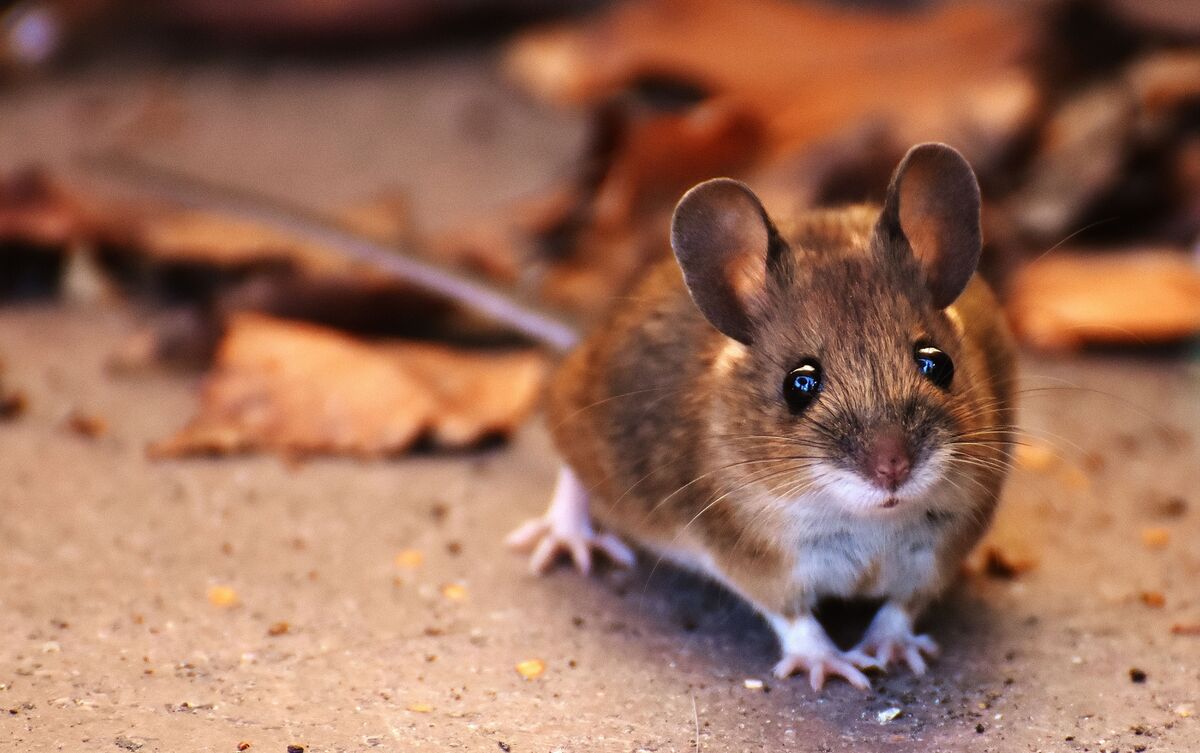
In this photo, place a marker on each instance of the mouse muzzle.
(887, 461)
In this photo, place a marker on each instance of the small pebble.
(887, 715)
(1137, 675)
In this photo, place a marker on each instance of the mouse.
(814, 408)
(800, 411)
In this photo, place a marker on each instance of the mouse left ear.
(726, 245)
(933, 204)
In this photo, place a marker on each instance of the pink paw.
(821, 666)
(880, 652)
(890, 638)
(547, 540)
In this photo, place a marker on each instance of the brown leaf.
(86, 424)
(38, 210)
(302, 389)
(809, 68)
(1005, 565)
(1066, 300)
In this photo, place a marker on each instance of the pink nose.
(888, 461)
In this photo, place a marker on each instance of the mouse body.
(821, 409)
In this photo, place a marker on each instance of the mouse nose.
(888, 460)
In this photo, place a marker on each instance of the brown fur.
(678, 441)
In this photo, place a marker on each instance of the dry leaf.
(531, 668)
(1036, 456)
(810, 69)
(454, 591)
(301, 389)
(222, 596)
(1066, 300)
(409, 558)
(37, 210)
(1153, 599)
(1156, 538)
(13, 404)
(999, 563)
(86, 424)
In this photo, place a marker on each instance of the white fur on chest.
(849, 555)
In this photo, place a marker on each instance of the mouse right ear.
(723, 241)
(933, 203)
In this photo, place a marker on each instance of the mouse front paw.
(890, 638)
(567, 528)
(546, 539)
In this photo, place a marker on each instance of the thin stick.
(478, 295)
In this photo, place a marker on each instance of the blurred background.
(580, 124)
(539, 146)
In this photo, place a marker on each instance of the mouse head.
(843, 375)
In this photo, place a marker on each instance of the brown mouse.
(820, 410)
(801, 412)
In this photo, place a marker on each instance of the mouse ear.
(933, 202)
(723, 241)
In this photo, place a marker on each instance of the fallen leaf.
(454, 591)
(1066, 300)
(301, 390)
(1154, 599)
(1156, 538)
(1184, 628)
(86, 424)
(810, 69)
(531, 668)
(409, 559)
(1036, 456)
(222, 596)
(420, 708)
(279, 628)
(36, 209)
(999, 563)
(13, 404)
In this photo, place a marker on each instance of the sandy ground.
(107, 559)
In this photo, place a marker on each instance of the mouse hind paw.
(566, 528)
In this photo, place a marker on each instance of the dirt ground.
(107, 559)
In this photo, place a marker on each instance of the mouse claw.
(548, 541)
(890, 639)
(806, 648)
(567, 528)
(821, 667)
(616, 550)
(863, 660)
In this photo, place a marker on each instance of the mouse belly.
(864, 563)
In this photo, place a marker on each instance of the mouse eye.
(801, 385)
(935, 365)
